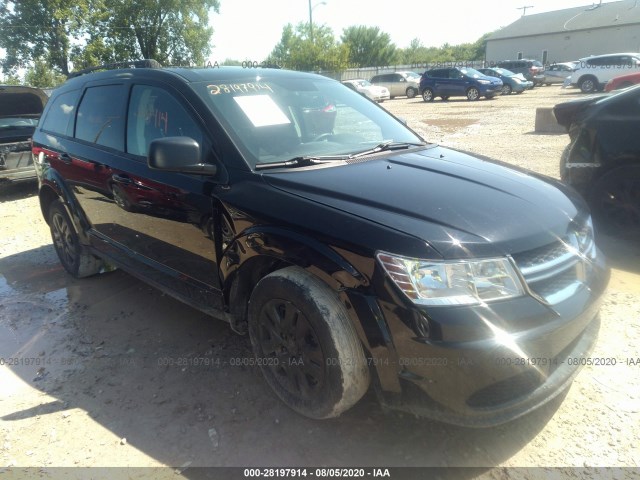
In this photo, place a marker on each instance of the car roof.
(636, 54)
(185, 75)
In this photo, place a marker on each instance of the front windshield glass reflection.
(277, 118)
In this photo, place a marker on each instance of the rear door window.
(101, 116)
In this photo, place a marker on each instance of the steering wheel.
(323, 137)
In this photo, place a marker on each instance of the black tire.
(427, 95)
(411, 92)
(615, 198)
(305, 344)
(72, 255)
(588, 84)
(506, 89)
(473, 94)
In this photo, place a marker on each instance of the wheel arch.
(260, 251)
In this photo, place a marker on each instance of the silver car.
(399, 83)
(558, 72)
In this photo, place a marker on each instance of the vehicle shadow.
(621, 249)
(181, 387)
(17, 191)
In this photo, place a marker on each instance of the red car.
(623, 81)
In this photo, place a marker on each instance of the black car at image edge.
(354, 254)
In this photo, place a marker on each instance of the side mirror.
(178, 154)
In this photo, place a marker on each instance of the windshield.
(17, 122)
(412, 75)
(364, 83)
(471, 72)
(279, 118)
(504, 71)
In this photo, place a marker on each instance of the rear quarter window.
(59, 117)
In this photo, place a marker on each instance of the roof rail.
(147, 63)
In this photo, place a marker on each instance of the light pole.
(311, 17)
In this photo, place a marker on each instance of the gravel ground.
(98, 390)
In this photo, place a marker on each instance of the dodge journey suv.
(353, 253)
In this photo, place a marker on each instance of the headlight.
(516, 79)
(484, 82)
(462, 282)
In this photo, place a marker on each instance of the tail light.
(329, 109)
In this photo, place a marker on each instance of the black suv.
(533, 70)
(352, 252)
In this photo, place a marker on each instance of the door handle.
(121, 179)
(66, 158)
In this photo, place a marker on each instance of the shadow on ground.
(175, 383)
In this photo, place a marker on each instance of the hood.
(462, 206)
(566, 113)
(18, 101)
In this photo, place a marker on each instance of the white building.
(570, 34)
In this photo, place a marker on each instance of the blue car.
(512, 82)
(458, 82)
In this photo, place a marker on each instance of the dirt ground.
(105, 371)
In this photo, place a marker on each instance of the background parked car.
(602, 161)
(373, 92)
(623, 81)
(458, 82)
(511, 82)
(20, 109)
(532, 70)
(592, 73)
(558, 72)
(399, 83)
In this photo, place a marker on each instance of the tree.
(297, 51)
(33, 29)
(42, 76)
(11, 80)
(368, 46)
(90, 32)
(173, 32)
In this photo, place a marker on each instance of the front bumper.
(486, 365)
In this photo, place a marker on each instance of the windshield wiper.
(386, 146)
(304, 161)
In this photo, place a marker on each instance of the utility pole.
(311, 17)
(524, 9)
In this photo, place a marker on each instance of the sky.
(249, 29)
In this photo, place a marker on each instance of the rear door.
(159, 224)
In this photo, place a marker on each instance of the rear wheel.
(427, 95)
(473, 94)
(615, 198)
(74, 259)
(305, 344)
(588, 84)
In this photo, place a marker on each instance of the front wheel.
(67, 244)
(473, 94)
(411, 92)
(305, 344)
(506, 90)
(427, 95)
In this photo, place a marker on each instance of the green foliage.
(42, 76)
(11, 80)
(33, 29)
(92, 32)
(369, 47)
(416, 53)
(297, 51)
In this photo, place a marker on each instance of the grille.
(556, 271)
